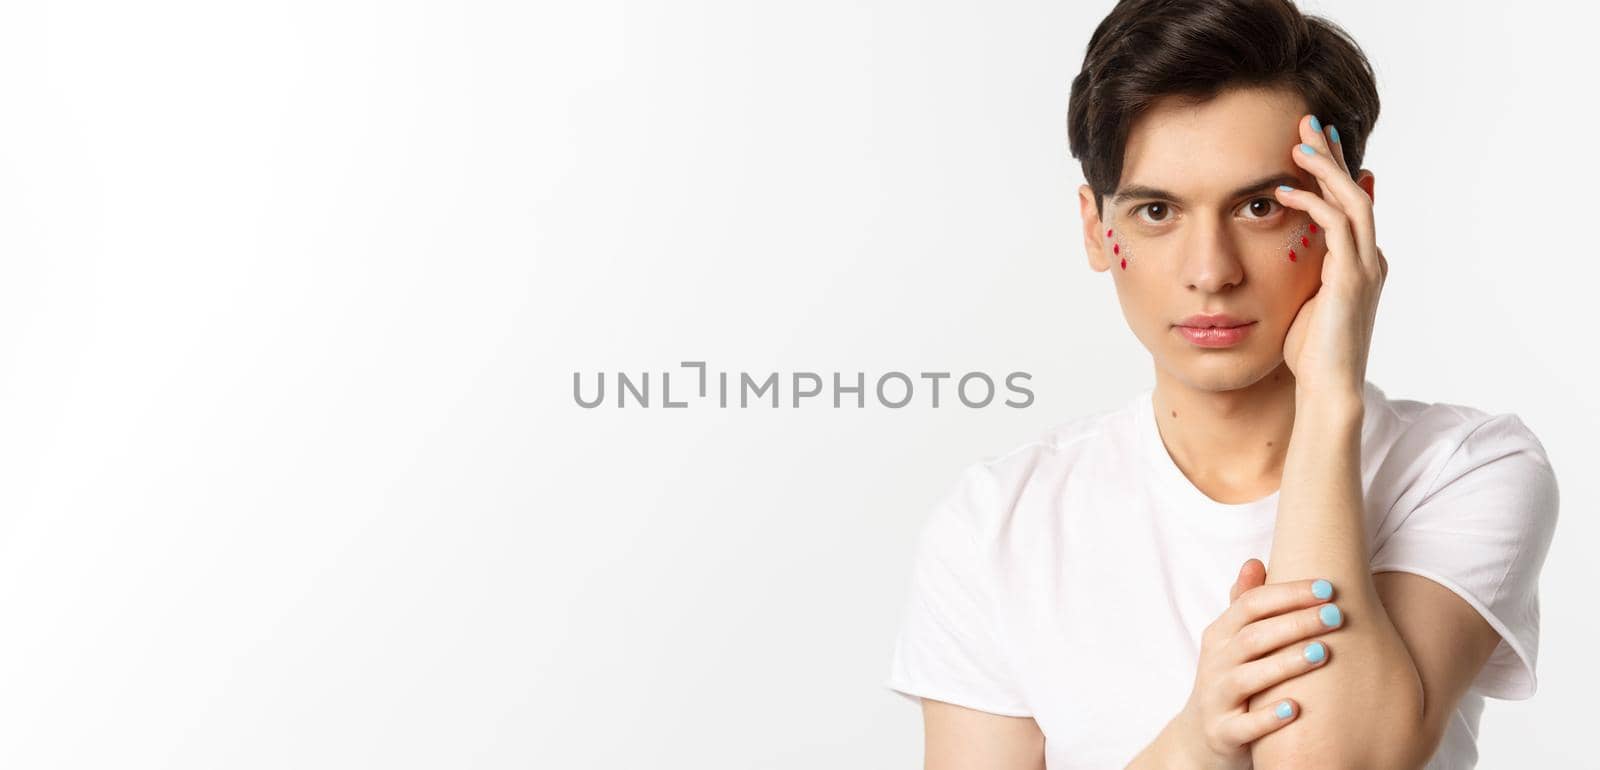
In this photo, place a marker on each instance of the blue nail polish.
(1333, 133)
(1315, 652)
(1330, 615)
(1316, 125)
(1321, 589)
(1308, 149)
(1284, 710)
(1285, 188)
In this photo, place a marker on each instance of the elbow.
(1396, 734)
(1367, 752)
(1399, 758)
(1393, 735)
(1413, 756)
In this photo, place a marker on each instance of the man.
(1067, 606)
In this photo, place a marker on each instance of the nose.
(1211, 263)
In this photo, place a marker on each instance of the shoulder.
(1053, 450)
(1476, 513)
(992, 487)
(1445, 441)
(1450, 463)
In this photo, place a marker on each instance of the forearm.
(1370, 687)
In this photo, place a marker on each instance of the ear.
(1093, 230)
(1365, 179)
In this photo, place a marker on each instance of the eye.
(1256, 206)
(1153, 208)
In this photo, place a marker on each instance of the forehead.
(1208, 148)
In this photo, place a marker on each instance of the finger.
(1273, 633)
(1336, 149)
(1247, 679)
(1352, 200)
(1250, 726)
(1271, 599)
(1313, 133)
(1238, 584)
(1336, 226)
(1252, 574)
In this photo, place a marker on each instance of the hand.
(1252, 645)
(1328, 341)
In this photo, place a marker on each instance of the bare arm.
(1370, 687)
(1410, 647)
(959, 738)
(1382, 698)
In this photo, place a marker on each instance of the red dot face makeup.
(1119, 249)
(1300, 238)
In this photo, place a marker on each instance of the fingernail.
(1321, 589)
(1330, 615)
(1285, 710)
(1308, 149)
(1316, 125)
(1333, 133)
(1285, 188)
(1315, 652)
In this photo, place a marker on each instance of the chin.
(1217, 371)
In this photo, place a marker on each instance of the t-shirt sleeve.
(1483, 530)
(948, 647)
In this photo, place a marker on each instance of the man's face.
(1194, 228)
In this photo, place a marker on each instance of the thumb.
(1251, 574)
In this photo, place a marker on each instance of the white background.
(293, 293)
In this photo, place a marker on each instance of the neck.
(1229, 443)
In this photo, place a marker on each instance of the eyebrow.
(1140, 191)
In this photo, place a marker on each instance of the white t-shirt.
(1070, 579)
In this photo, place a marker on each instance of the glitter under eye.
(1300, 237)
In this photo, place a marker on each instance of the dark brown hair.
(1146, 49)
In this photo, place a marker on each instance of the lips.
(1212, 320)
(1216, 336)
